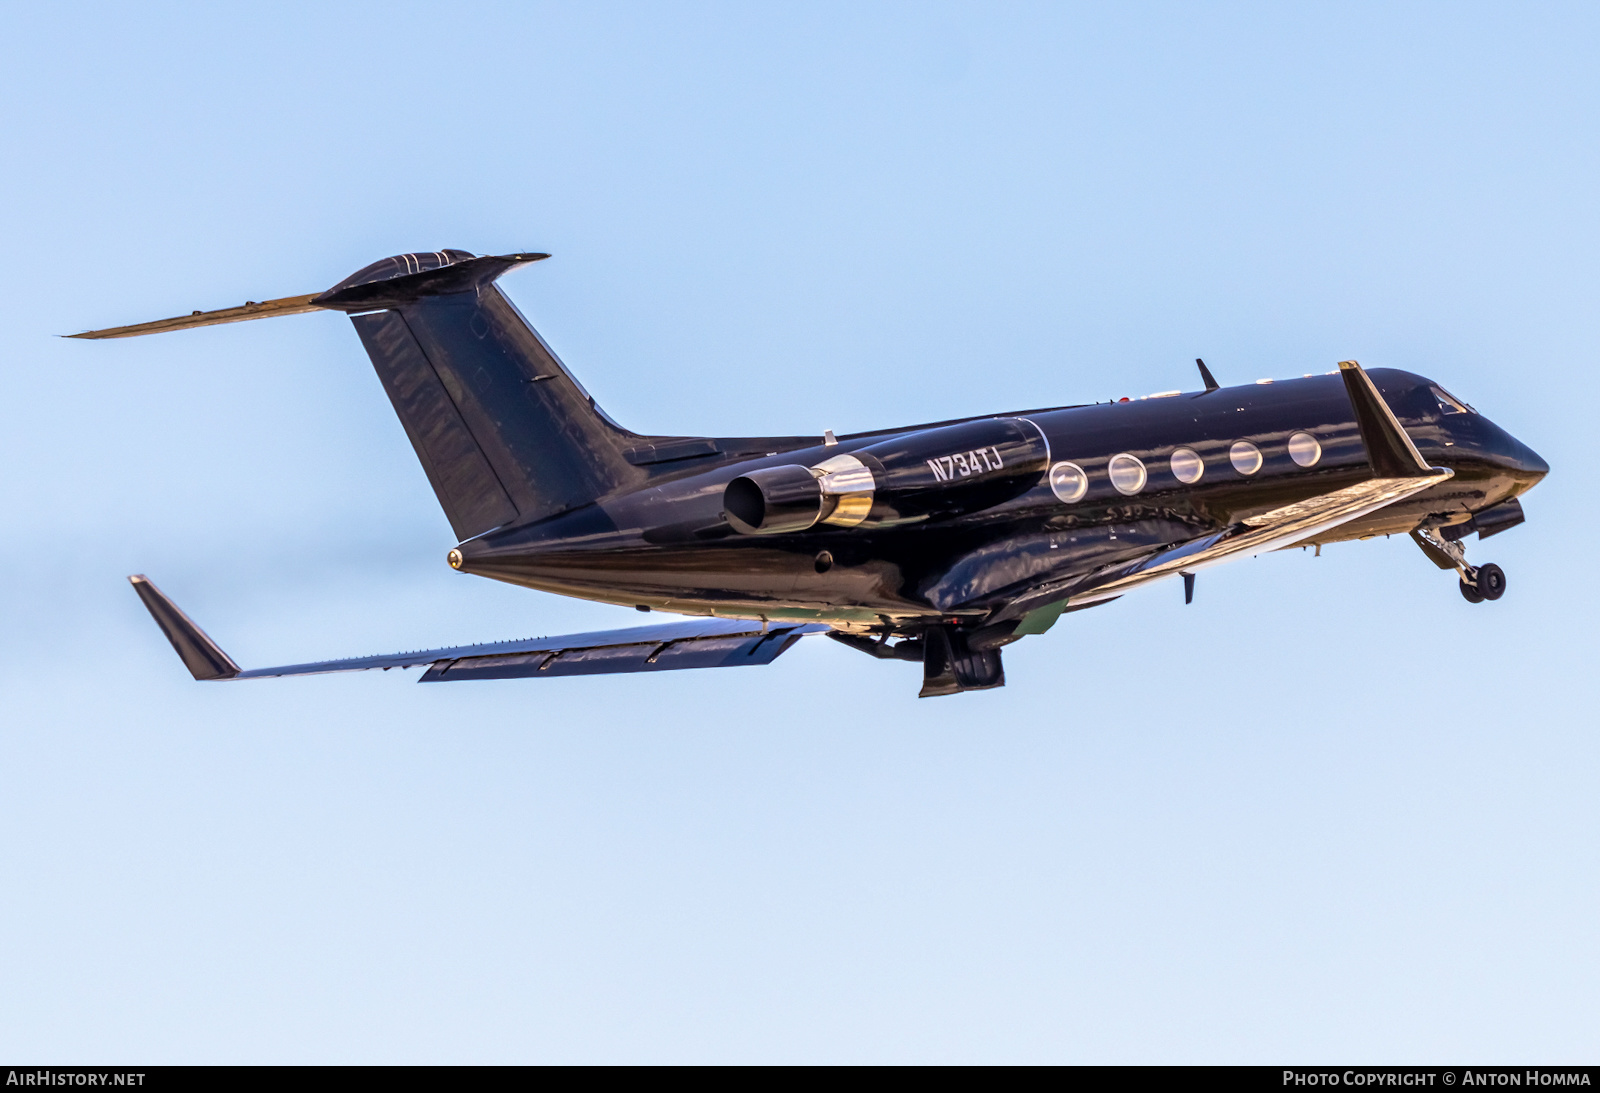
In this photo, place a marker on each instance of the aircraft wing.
(687, 643)
(1398, 472)
(1281, 527)
(1272, 530)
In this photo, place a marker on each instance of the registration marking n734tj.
(965, 464)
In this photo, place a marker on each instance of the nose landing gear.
(1488, 583)
(1478, 582)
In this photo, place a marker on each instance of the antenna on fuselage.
(1206, 377)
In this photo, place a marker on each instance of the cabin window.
(1187, 467)
(1068, 482)
(1449, 404)
(1127, 473)
(1304, 449)
(1245, 457)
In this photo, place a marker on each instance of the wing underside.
(1273, 530)
(687, 643)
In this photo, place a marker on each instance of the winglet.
(1206, 377)
(200, 654)
(1389, 448)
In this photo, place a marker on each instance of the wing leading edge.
(688, 643)
(1272, 530)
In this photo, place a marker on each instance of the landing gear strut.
(1478, 582)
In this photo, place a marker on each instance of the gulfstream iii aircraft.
(939, 543)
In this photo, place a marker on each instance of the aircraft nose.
(1536, 463)
(1518, 457)
(1514, 457)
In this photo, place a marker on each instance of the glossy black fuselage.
(670, 546)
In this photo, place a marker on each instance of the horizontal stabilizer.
(199, 653)
(687, 643)
(266, 309)
(381, 285)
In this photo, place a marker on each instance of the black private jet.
(939, 543)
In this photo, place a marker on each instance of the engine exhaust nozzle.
(773, 501)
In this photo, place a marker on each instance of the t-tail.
(503, 430)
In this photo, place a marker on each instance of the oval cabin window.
(1068, 482)
(1245, 457)
(1127, 473)
(1304, 449)
(1187, 466)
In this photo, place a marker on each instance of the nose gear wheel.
(1478, 582)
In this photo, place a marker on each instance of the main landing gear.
(1478, 582)
(953, 659)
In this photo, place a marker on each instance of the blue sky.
(1328, 812)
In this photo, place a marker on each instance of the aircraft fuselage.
(939, 543)
(669, 546)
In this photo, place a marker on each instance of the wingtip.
(1390, 449)
(202, 656)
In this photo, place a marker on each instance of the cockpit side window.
(1449, 404)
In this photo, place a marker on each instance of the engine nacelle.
(926, 475)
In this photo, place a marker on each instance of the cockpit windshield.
(1449, 404)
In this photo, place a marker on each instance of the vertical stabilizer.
(503, 430)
